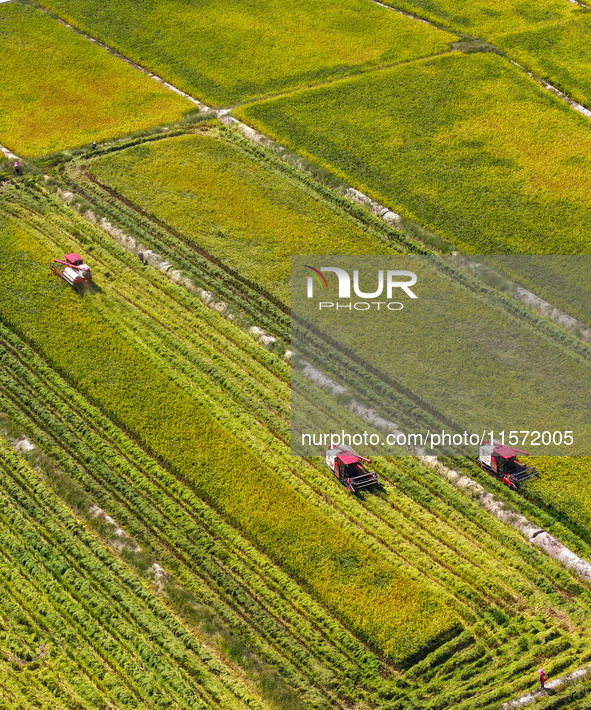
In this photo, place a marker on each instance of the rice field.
(241, 211)
(466, 145)
(230, 51)
(59, 90)
(488, 18)
(558, 53)
(177, 428)
(160, 544)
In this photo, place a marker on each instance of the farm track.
(384, 517)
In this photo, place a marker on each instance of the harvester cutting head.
(349, 468)
(72, 269)
(502, 461)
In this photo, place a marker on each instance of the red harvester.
(72, 270)
(349, 468)
(502, 461)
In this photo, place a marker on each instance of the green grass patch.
(59, 90)
(227, 51)
(559, 53)
(467, 145)
(239, 210)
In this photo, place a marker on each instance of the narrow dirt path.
(501, 510)
(529, 698)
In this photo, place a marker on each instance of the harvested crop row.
(179, 367)
(70, 580)
(195, 378)
(144, 494)
(181, 431)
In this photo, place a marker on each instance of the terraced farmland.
(160, 545)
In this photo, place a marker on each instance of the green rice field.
(162, 546)
(465, 144)
(558, 52)
(61, 91)
(238, 210)
(230, 51)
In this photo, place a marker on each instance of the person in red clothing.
(543, 679)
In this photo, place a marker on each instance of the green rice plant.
(428, 526)
(87, 625)
(239, 211)
(230, 51)
(563, 487)
(179, 427)
(557, 53)
(487, 18)
(466, 145)
(62, 91)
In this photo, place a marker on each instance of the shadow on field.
(87, 289)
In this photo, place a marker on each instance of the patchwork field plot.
(217, 452)
(561, 280)
(182, 427)
(160, 546)
(558, 52)
(227, 52)
(245, 213)
(486, 18)
(465, 144)
(59, 90)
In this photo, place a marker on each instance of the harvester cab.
(350, 469)
(72, 270)
(501, 460)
